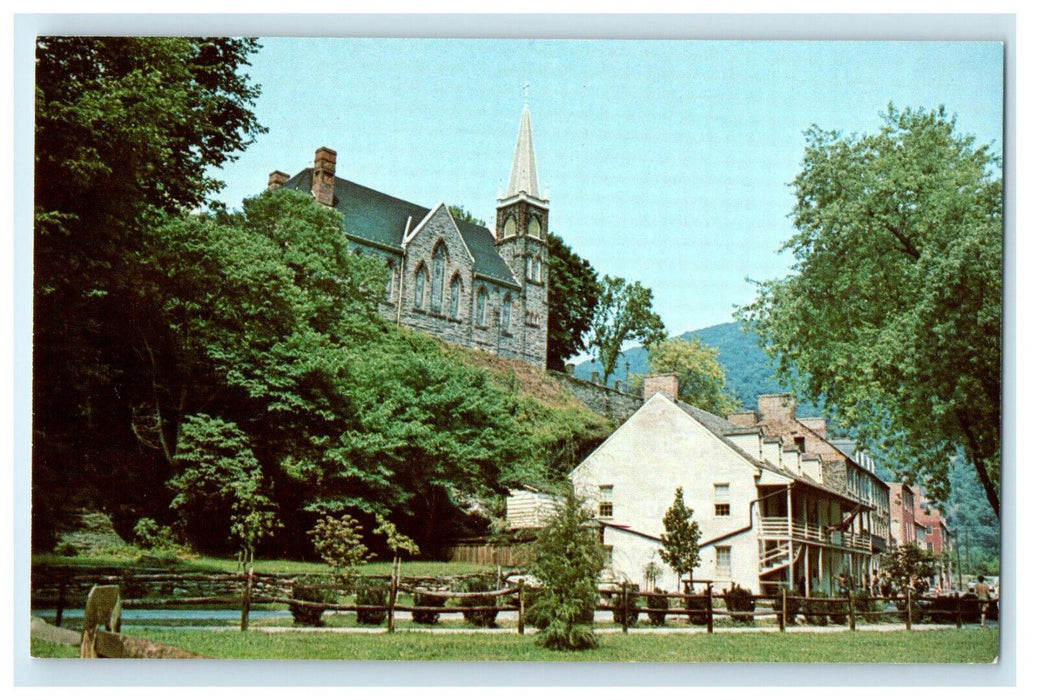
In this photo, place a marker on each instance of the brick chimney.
(776, 407)
(818, 425)
(324, 176)
(666, 383)
(276, 180)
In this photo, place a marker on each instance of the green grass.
(942, 646)
(49, 650)
(268, 566)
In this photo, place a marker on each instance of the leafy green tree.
(893, 312)
(124, 127)
(909, 566)
(339, 541)
(680, 540)
(623, 314)
(572, 296)
(220, 491)
(567, 561)
(700, 377)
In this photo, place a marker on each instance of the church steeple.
(523, 166)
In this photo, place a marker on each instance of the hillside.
(748, 370)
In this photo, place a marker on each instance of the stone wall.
(611, 403)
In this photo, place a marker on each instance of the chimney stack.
(276, 180)
(776, 407)
(665, 383)
(324, 176)
(818, 425)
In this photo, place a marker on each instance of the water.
(74, 616)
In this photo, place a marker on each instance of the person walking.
(982, 591)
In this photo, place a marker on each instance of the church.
(457, 280)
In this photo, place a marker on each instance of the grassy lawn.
(941, 646)
(268, 566)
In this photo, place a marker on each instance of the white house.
(765, 515)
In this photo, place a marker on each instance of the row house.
(844, 468)
(767, 514)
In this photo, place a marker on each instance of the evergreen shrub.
(740, 600)
(657, 608)
(372, 596)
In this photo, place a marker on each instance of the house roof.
(374, 216)
(484, 249)
(723, 428)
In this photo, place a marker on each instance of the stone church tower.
(521, 239)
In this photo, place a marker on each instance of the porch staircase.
(777, 557)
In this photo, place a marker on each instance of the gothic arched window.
(390, 280)
(509, 227)
(480, 307)
(505, 313)
(419, 287)
(455, 296)
(438, 270)
(536, 270)
(533, 229)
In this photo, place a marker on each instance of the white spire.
(523, 167)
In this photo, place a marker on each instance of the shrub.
(871, 610)
(311, 592)
(740, 600)
(479, 618)
(633, 610)
(567, 560)
(427, 617)
(838, 611)
(657, 608)
(150, 535)
(697, 602)
(372, 596)
(816, 612)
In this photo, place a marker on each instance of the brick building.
(842, 468)
(456, 280)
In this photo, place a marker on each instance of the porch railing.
(778, 528)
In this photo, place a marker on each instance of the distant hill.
(748, 370)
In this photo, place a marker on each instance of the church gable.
(438, 269)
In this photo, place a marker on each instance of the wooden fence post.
(246, 600)
(909, 607)
(709, 607)
(957, 607)
(781, 616)
(390, 624)
(522, 607)
(623, 601)
(62, 583)
(851, 614)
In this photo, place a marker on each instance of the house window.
(419, 287)
(723, 562)
(455, 296)
(438, 267)
(480, 307)
(721, 500)
(505, 313)
(605, 501)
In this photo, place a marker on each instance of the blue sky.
(667, 161)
